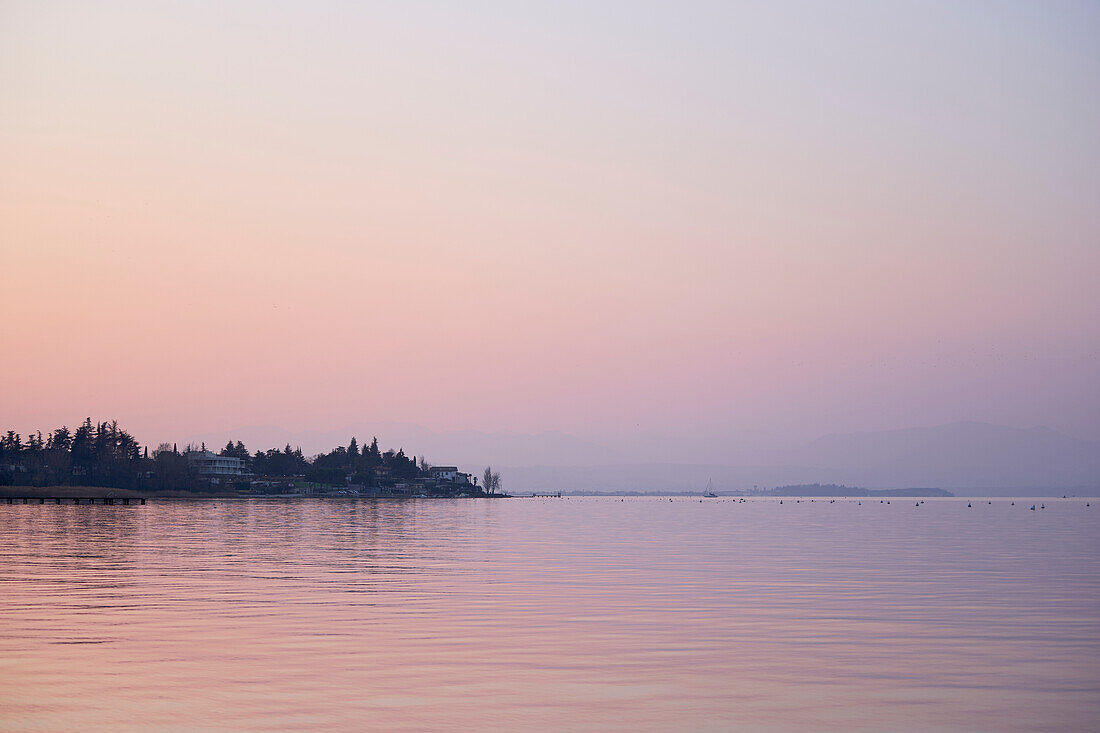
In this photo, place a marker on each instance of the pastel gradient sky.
(790, 218)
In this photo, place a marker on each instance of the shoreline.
(103, 492)
(98, 492)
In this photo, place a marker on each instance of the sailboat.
(709, 493)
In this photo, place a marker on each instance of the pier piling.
(77, 500)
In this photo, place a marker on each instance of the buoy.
(968, 505)
(1032, 507)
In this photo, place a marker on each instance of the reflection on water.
(551, 614)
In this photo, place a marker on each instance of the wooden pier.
(77, 500)
(546, 496)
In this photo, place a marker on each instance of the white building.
(449, 473)
(211, 464)
(444, 473)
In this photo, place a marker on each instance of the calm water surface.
(551, 614)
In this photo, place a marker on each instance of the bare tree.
(490, 480)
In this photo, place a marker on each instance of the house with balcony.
(212, 466)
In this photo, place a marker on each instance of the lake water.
(551, 614)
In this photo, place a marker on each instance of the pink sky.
(684, 218)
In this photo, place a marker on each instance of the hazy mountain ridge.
(963, 456)
(958, 455)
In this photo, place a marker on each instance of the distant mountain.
(960, 457)
(967, 457)
(654, 477)
(964, 455)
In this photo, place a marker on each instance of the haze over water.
(555, 614)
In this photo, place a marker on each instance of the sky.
(693, 219)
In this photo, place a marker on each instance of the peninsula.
(97, 456)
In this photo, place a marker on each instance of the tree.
(170, 469)
(12, 442)
(61, 439)
(490, 480)
(236, 451)
(82, 449)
